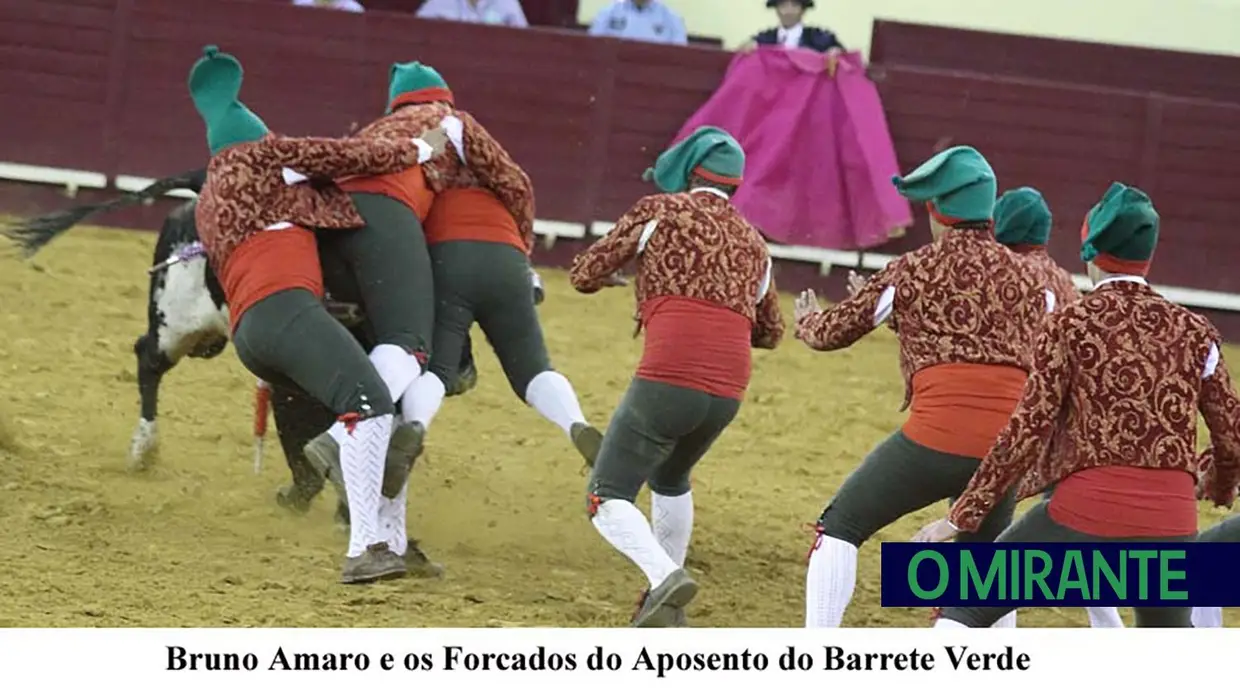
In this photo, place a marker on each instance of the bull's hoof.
(294, 499)
(466, 380)
(144, 447)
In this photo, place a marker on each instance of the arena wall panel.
(1200, 75)
(99, 86)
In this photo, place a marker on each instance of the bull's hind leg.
(152, 364)
(298, 419)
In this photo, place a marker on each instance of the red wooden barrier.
(1177, 73)
(99, 85)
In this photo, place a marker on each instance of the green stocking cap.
(214, 84)
(1022, 217)
(405, 79)
(958, 182)
(711, 153)
(1123, 226)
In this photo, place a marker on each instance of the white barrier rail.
(551, 230)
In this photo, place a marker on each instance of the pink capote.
(819, 157)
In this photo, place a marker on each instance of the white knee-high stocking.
(829, 582)
(552, 396)
(393, 519)
(622, 525)
(396, 367)
(362, 454)
(672, 518)
(1207, 617)
(421, 402)
(1104, 618)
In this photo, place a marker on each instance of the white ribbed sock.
(1105, 618)
(621, 524)
(339, 432)
(829, 582)
(552, 395)
(944, 623)
(422, 400)
(396, 367)
(1008, 621)
(1207, 617)
(361, 463)
(393, 519)
(672, 518)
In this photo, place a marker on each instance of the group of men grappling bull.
(433, 222)
(1015, 385)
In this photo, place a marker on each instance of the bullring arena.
(199, 541)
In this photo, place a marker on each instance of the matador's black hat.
(806, 4)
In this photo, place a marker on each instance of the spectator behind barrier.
(640, 20)
(792, 33)
(505, 12)
(346, 5)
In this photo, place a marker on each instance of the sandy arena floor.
(199, 541)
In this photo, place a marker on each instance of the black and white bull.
(187, 316)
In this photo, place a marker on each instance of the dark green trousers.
(289, 338)
(897, 478)
(656, 436)
(487, 283)
(1037, 526)
(1226, 531)
(390, 272)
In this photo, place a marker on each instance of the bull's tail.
(32, 234)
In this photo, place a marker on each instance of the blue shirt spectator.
(507, 12)
(640, 20)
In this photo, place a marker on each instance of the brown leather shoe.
(377, 563)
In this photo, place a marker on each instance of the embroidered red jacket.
(691, 245)
(1053, 276)
(246, 190)
(487, 165)
(1118, 379)
(963, 299)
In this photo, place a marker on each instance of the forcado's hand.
(806, 304)
(616, 280)
(855, 282)
(436, 139)
(348, 314)
(939, 531)
(536, 283)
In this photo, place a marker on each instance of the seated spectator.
(792, 33)
(346, 5)
(506, 12)
(640, 20)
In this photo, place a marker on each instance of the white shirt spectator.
(506, 12)
(791, 37)
(346, 5)
(640, 20)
